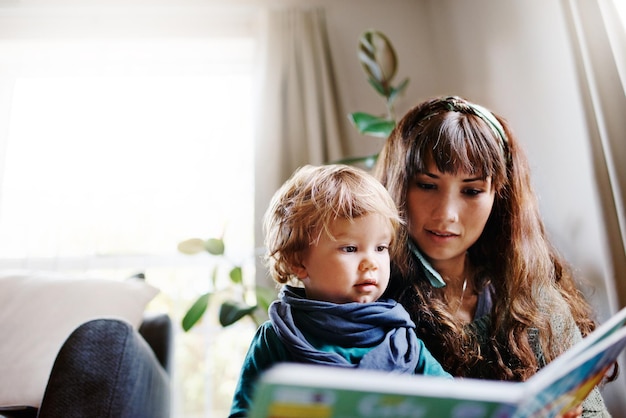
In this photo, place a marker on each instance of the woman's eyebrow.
(428, 174)
(466, 180)
(469, 180)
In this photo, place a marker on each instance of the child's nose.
(367, 264)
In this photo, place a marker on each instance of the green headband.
(457, 104)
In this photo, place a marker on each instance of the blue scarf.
(384, 325)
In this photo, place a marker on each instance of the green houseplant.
(380, 63)
(234, 305)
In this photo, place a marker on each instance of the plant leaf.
(191, 246)
(372, 125)
(369, 64)
(360, 119)
(380, 88)
(196, 311)
(396, 91)
(236, 275)
(377, 56)
(214, 276)
(231, 312)
(380, 129)
(214, 246)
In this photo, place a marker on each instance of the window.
(116, 150)
(101, 166)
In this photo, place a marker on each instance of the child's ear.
(300, 271)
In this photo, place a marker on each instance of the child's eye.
(349, 248)
(382, 248)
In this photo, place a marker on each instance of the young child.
(331, 230)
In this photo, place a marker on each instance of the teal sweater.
(267, 349)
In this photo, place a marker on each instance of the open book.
(292, 390)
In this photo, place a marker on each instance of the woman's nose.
(447, 210)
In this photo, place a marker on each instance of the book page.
(566, 382)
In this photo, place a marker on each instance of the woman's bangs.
(456, 143)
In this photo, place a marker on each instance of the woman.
(489, 294)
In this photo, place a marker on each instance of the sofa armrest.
(156, 329)
(106, 369)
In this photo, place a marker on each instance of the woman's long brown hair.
(531, 280)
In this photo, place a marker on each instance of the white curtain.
(7, 83)
(599, 43)
(298, 106)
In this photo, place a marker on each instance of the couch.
(82, 348)
(107, 369)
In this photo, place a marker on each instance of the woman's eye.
(425, 186)
(472, 192)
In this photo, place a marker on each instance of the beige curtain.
(599, 43)
(298, 105)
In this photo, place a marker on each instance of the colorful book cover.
(306, 391)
